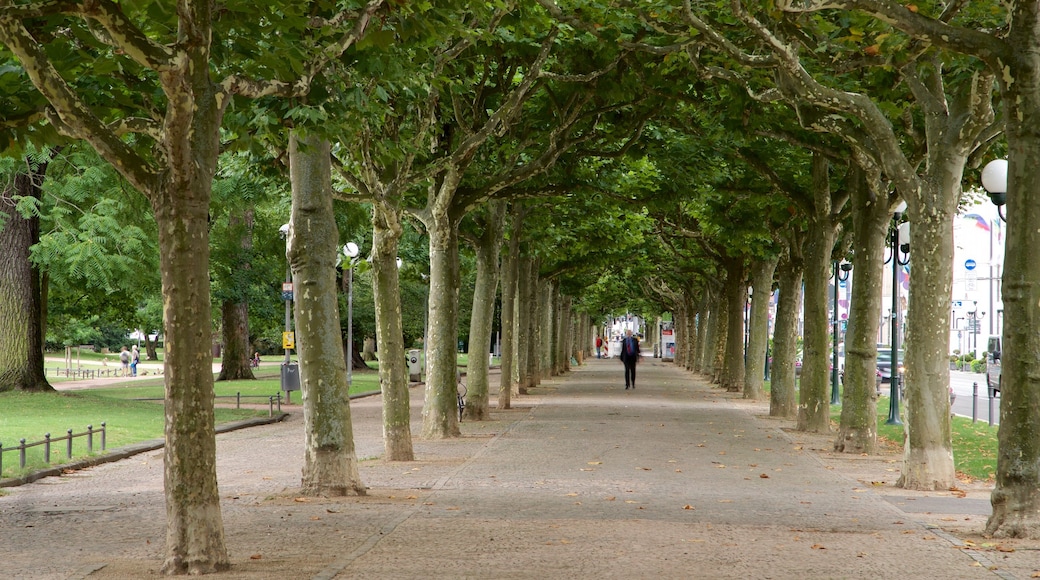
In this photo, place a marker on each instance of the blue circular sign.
(969, 265)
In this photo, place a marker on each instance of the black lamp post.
(994, 181)
(973, 327)
(900, 245)
(841, 274)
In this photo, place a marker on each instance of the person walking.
(124, 360)
(629, 356)
(135, 357)
(599, 346)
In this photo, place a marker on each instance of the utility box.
(290, 377)
(414, 365)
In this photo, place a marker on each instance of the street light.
(900, 233)
(351, 251)
(841, 274)
(994, 181)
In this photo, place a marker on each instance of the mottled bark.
(783, 400)
(21, 300)
(523, 324)
(758, 334)
(330, 463)
(487, 247)
(393, 372)
(510, 326)
(732, 376)
(857, 432)
(236, 353)
(813, 393)
(440, 406)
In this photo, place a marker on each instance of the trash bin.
(290, 377)
(414, 365)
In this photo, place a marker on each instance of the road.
(962, 385)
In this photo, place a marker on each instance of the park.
(504, 179)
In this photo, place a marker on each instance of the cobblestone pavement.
(675, 479)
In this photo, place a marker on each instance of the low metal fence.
(83, 374)
(274, 402)
(48, 440)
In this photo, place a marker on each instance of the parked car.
(884, 362)
(993, 353)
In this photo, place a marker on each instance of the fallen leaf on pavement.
(256, 557)
(688, 507)
(818, 547)
(763, 476)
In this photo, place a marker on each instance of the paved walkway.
(583, 478)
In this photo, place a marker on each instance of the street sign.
(288, 340)
(969, 264)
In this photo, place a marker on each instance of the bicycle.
(460, 393)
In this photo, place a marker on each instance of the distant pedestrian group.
(129, 359)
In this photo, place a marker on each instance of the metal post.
(350, 323)
(288, 307)
(835, 397)
(104, 434)
(992, 404)
(68, 444)
(90, 438)
(47, 447)
(21, 453)
(893, 381)
(974, 401)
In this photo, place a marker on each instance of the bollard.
(21, 454)
(270, 406)
(104, 431)
(992, 403)
(90, 438)
(47, 448)
(279, 402)
(974, 401)
(238, 400)
(68, 444)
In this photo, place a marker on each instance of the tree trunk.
(194, 526)
(21, 306)
(857, 432)
(482, 320)
(393, 374)
(732, 378)
(234, 314)
(236, 354)
(813, 398)
(782, 388)
(758, 335)
(510, 276)
(523, 323)
(330, 464)
(440, 408)
(1016, 497)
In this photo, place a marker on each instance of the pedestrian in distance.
(629, 357)
(599, 346)
(124, 358)
(135, 357)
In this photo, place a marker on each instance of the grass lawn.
(30, 416)
(974, 444)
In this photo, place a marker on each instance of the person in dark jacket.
(629, 356)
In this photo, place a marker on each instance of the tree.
(1005, 47)
(21, 308)
(175, 121)
(330, 463)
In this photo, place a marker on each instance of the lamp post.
(900, 232)
(994, 181)
(287, 292)
(841, 274)
(350, 250)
